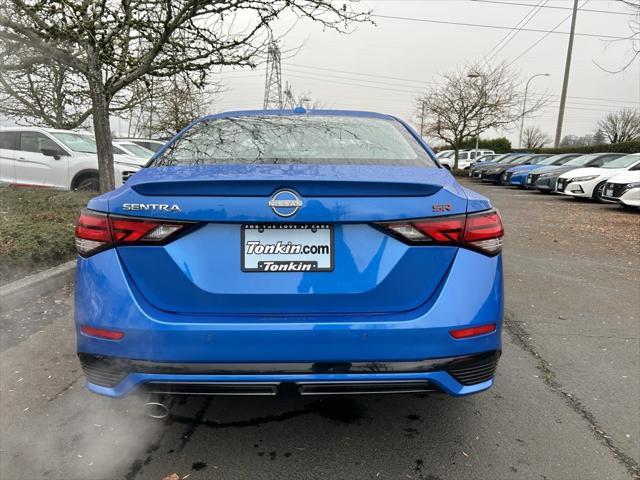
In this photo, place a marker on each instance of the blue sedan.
(517, 176)
(308, 252)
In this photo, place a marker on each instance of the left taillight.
(97, 231)
(482, 232)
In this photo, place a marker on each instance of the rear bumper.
(470, 294)
(456, 376)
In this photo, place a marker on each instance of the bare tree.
(45, 94)
(170, 105)
(50, 94)
(633, 37)
(470, 101)
(112, 45)
(534, 138)
(292, 99)
(621, 126)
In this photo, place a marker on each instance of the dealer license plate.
(287, 248)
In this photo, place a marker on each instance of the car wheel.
(597, 192)
(88, 184)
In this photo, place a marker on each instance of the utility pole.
(422, 120)
(273, 80)
(567, 70)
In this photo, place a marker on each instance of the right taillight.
(481, 231)
(97, 231)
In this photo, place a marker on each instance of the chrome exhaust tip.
(156, 410)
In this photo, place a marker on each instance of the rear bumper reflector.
(101, 333)
(473, 331)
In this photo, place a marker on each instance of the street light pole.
(524, 104)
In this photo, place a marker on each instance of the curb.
(24, 290)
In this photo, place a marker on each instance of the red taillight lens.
(101, 333)
(484, 232)
(440, 230)
(96, 231)
(443, 230)
(92, 233)
(473, 331)
(479, 231)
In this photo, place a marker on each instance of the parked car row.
(65, 159)
(466, 158)
(604, 177)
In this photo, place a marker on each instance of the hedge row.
(624, 147)
(498, 145)
(36, 230)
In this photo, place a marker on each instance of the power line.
(356, 82)
(496, 2)
(353, 84)
(532, 46)
(496, 27)
(570, 106)
(423, 83)
(513, 32)
(355, 73)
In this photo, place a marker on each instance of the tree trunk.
(455, 156)
(102, 131)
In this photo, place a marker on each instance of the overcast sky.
(384, 67)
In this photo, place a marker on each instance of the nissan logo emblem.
(285, 203)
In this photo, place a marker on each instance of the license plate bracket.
(287, 248)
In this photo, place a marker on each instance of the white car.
(466, 158)
(133, 149)
(56, 158)
(148, 143)
(443, 153)
(589, 182)
(624, 188)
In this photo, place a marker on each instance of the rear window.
(299, 139)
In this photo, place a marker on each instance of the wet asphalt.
(565, 404)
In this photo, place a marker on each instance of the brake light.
(484, 232)
(478, 231)
(97, 231)
(473, 331)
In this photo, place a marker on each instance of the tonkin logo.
(139, 207)
(285, 203)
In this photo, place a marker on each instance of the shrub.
(498, 145)
(624, 147)
(36, 230)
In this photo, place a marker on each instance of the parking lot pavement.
(565, 405)
(572, 277)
